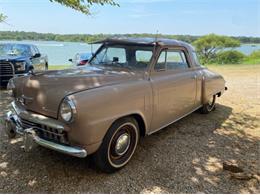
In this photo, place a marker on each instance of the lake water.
(59, 52)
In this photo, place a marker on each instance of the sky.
(193, 17)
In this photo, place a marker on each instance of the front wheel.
(46, 66)
(10, 132)
(209, 106)
(118, 145)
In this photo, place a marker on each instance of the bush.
(230, 57)
(255, 55)
(253, 58)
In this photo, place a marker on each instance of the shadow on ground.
(185, 157)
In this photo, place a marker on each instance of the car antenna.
(156, 36)
(155, 40)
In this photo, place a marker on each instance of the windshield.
(84, 56)
(125, 56)
(14, 49)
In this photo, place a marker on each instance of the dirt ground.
(185, 157)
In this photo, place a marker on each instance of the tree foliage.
(2, 17)
(230, 57)
(208, 46)
(79, 5)
(84, 5)
(21, 35)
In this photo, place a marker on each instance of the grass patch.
(252, 61)
(59, 67)
(244, 65)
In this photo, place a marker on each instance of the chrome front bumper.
(13, 126)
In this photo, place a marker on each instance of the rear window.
(196, 59)
(172, 60)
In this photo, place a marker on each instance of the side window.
(161, 62)
(33, 52)
(172, 60)
(176, 60)
(36, 49)
(196, 59)
(76, 57)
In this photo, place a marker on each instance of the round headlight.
(67, 110)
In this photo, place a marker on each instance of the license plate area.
(28, 139)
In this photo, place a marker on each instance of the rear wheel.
(118, 145)
(46, 66)
(209, 106)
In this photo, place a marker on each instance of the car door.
(174, 87)
(37, 60)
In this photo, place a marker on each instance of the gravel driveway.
(185, 157)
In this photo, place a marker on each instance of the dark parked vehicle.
(18, 59)
(81, 59)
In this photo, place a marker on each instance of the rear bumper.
(13, 125)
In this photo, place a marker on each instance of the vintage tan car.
(130, 88)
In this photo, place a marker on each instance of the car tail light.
(83, 62)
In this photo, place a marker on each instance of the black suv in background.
(18, 59)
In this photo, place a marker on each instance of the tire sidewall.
(211, 105)
(101, 157)
(206, 108)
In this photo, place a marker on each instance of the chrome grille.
(6, 68)
(45, 132)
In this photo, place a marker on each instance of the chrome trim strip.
(37, 118)
(174, 121)
(73, 109)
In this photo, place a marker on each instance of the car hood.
(43, 92)
(13, 58)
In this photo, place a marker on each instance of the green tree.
(84, 5)
(208, 46)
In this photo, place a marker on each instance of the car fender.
(212, 84)
(99, 108)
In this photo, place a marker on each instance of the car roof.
(145, 41)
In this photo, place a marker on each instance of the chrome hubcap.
(122, 144)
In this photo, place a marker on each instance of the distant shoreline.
(88, 38)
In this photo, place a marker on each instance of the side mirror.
(70, 60)
(37, 55)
